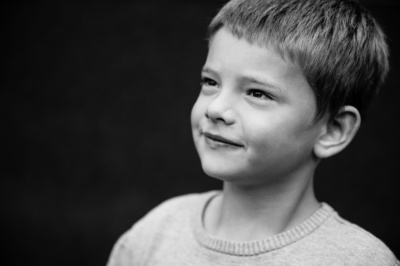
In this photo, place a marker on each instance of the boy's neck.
(253, 213)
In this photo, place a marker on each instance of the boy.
(284, 85)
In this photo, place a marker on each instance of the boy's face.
(252, 121)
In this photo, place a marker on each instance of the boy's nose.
(220, 109)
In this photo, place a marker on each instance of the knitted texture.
(173, 234)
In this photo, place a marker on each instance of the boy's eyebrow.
(208, 70)
(262, 82)
(249, 79)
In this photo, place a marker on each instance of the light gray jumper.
(172, 234)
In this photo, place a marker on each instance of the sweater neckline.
(256, 247)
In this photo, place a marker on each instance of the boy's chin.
(228, 175)
(240, 177)
(219, 173)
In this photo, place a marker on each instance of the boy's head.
(282, 84)
(338, 44)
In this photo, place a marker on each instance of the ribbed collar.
(251, 248)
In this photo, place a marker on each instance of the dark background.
(96, 104)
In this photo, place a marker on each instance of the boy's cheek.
(194, 116)
(198, 111)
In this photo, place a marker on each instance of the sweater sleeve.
(121, 253)
(133, 246)
(136, 245)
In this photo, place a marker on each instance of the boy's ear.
(339, 133)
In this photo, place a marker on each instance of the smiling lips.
(221, 141)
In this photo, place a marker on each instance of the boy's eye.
(259, 94)
(208, 82)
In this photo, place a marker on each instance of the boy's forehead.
(230, 50)
(261, 43)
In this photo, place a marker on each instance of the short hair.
(341, 48)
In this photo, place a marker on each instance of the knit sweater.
(173, 234)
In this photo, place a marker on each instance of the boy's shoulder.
(180, 203)
(167, 221)
(172, 210)
(352, 242)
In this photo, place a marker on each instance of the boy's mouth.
(222, 140)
